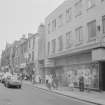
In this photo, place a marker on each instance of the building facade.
(6, 58)
(19, 53)
(75, 36)
(41, 51)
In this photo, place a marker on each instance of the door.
(102, 76)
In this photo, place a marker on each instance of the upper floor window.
(92, 29)
(33, 43)
(78, 8)
(60, 20)
(103, 23)
(91, 3)
(53, 45)
(33, 56)
(68, 14)
(48, 48)
(60, 43)
(79, 34)
(49, 28)
(54, 25)
(29, 43)
(68, 39)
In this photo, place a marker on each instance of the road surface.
(29, 95)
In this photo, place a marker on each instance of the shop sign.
(49, 63)
(98, 54)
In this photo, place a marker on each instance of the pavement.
(97, 98)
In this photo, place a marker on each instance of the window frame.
(78, 11)
(103, 25)
(53, 45)
(68, 39)
(91, 37)
(60, 43)
(68, 14)
(54, 25)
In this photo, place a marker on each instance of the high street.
(29, 95)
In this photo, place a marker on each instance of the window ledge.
(79, 43)
(91, 39)
(90, 7)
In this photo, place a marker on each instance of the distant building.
(75, 42)
(6, 58)
(20, 50)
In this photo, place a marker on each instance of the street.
(29, 95)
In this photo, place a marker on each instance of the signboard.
(98, 54)
(49, 63)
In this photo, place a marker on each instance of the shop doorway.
(102, 76)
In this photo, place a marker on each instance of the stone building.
(75, 42)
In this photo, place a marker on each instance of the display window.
(90, 72)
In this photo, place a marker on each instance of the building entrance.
(102, 76)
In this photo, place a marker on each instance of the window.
(48, 48)
(60, 20)
(53, 45)
(68, 14)
(92, 29)
(54, 25)
(103, 23)
(78, 8)
(33, 43)
(60, 41)
(68, 39)
(79, 34)
(49, 28)
(91, 3)
(29, 43)
(33, 56)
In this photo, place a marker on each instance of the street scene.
(52, 52)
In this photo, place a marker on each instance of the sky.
(18, 17)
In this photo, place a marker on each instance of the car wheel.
(19, 86)
(7, 85)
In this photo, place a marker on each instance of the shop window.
(90, 72)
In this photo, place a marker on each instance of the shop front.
(69, 69)
(90, 72)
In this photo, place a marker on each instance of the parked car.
(1, 75)
(13, 81)
(5, 75)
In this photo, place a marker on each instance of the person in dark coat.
(81, 83)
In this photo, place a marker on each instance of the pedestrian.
(81, 83)
(71, 85)
(48, 82)
(88, 83)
